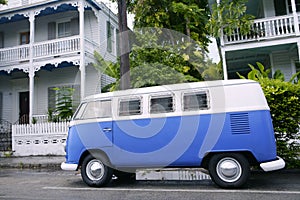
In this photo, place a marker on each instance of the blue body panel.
(175, 141)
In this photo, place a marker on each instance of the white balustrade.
(44, 49)
(39, 139)
(266, 28)
(14, 54)
(56, 47)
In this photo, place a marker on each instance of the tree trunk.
(124, 46)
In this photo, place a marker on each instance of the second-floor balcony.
(40, 50)
(46, 50)
(267, 29)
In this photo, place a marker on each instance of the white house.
(46, 44)
(274, 39)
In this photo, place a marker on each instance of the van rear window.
(195, 101)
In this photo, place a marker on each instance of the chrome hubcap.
(229, 169)
(95, 170)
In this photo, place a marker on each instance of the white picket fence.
(39, 139)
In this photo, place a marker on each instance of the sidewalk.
(32, 162)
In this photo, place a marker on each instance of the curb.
(32, 162)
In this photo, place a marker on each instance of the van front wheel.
(94, 172)
(229, 170)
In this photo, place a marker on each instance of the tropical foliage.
(155, 59)
(228, 16)
(186, 16)
(64, 104)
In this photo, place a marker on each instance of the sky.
(213, 50)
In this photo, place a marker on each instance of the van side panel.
(158, 141)
(185, 140)
(176, 141)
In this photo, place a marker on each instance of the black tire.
(94, 172)
(229, 170)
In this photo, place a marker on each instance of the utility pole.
(124, 46)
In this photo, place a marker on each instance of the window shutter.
(108, 37)
(76, 96)
(74, 26)
(51, 98)
(1, 39)
(1, 105)
(51, 30)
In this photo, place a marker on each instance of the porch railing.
(267, 28)
(56, 47)
(12, 54)
(51, 48)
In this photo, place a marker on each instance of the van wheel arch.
(95, 153)
(250, 157)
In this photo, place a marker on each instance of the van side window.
(195, 101)
(130, 107)
(96, 109)
(161, 104)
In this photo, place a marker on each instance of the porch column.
(224, 64)
(298, 45)
(296, 20)
(31, 68)
(82, 49)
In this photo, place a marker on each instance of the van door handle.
(106, 129)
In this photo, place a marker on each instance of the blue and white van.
(222, 126)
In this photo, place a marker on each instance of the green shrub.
(284, 101)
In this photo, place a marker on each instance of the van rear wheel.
(229, 170)
(94, 172)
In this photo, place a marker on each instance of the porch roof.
(63, 7)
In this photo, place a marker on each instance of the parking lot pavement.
(53, 162)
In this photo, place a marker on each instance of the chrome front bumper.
(273, 165)
(68, 167)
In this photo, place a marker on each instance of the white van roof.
(224, 95)
(172, 87)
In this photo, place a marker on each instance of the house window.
(161, 104)
(195, 101)
(297, 2)
(95, 109)
(130, 107)
(52, 96)
(64, 29)
(24, 38)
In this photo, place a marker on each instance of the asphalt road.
(46, 185)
